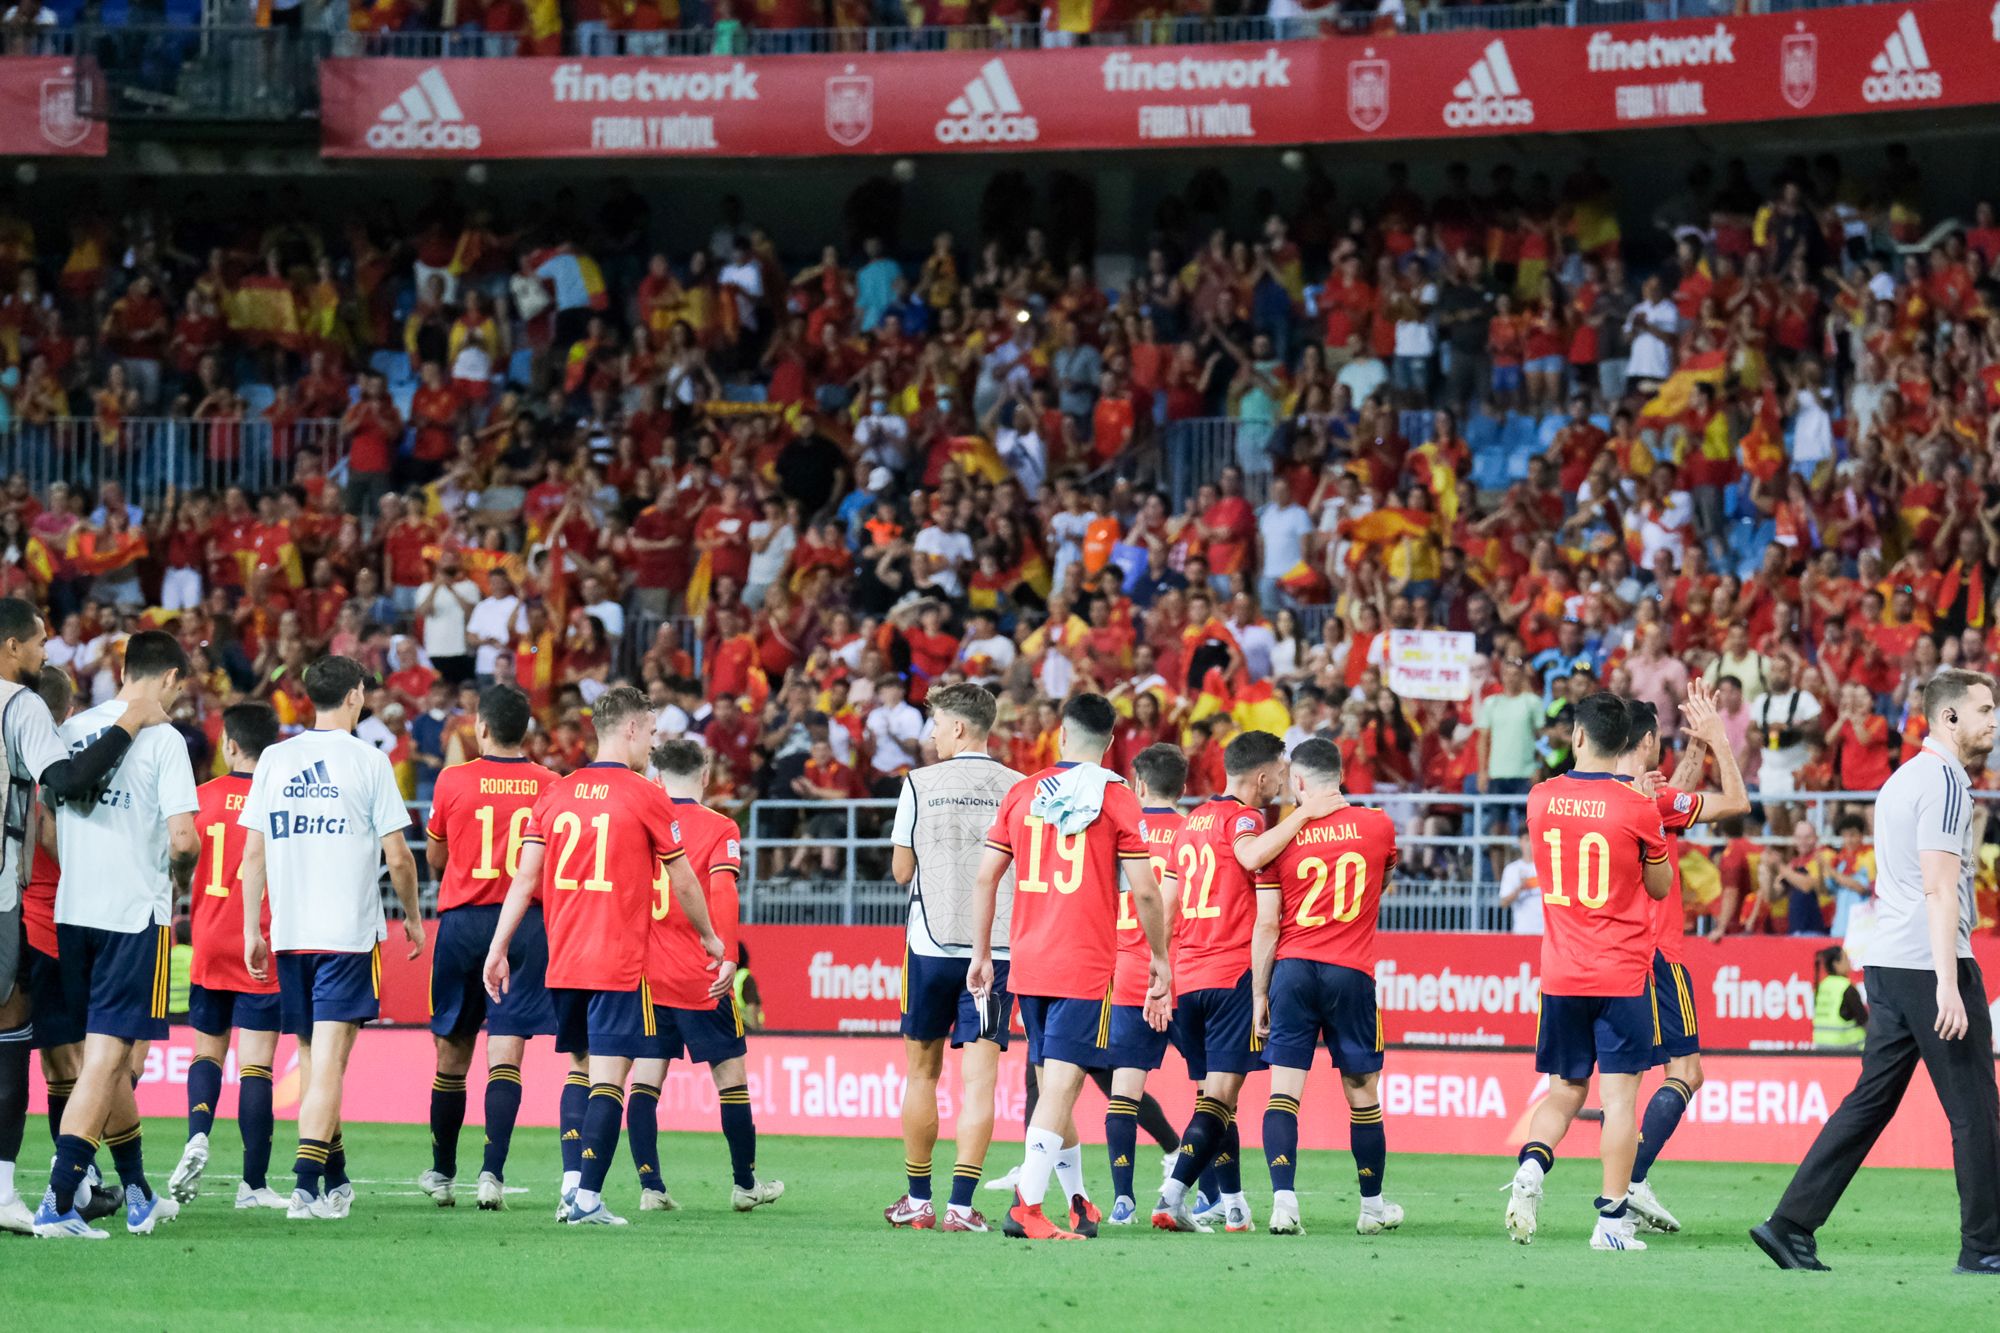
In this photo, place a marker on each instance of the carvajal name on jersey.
(1337, 833)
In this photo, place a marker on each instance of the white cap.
(880, 479)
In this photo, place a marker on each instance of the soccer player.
(479, 823)
(694, 995)
(1137, 1047)
(1070, 831)
(1223, 843)
(1600, 854)
(1313, 977)
(953, 803)
(34, 754)
(222, 995)
(125, 854)
(595, 845)
(1680, 1039)
(322, 817)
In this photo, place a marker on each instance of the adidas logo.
(1365, 1173)
(988, 111)
(203, 1107)
(590, 1154)
(1123, 1160)
(425, 116)
(1489, 94)
(1281, 1160)
(1902, 72)
(569, 1134)
(313, 782)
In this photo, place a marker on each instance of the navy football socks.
(1121, 1142)
(256, 1121)
(575, 1097)
(1369, 1142)
(1663, 1116)
(1281, 1140)
(740, 1128)
(604, 1112)
(503, 1107)
(204, 1091)
(447, 1122)
(642, 1133)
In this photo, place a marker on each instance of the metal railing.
(157, 72)
(1447, 881)
(1594, 13)
(146, 455)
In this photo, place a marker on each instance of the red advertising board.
(1751, 1108)
(1822, 62)
(1458, 990)
(38, 114)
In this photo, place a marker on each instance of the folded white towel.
(1071, 798)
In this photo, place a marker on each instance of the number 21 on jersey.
(1593, 870)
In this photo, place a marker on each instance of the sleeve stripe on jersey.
(677, 854)
(1135, 856)
(998, 846)
(535, 838)
(434, 835)
(1269, 884)
(725, 868)
(1694, 817)
(1655, 860)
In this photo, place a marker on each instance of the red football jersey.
(1592, 835)
(215, 914)
(38, 900)
(608, 831)
(1064, 938)
(1678, 810)
(676, 964)
(480, 812)
(1135, 956)
(1332, 877)
(1218, 900)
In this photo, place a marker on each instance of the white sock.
(1044, 1146)
(1371, 1203)
(958, 1210)
(572, 1181)
(1290, 1198)
(1235, 1201)
(587, 1200)
(1069, 1171)
(1173, 1192)
(6, 1182)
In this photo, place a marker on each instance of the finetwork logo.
(1489, 94)
(988, 111)
(426, 115)
(314, 782)
(1902, 72)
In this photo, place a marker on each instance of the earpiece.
(1951, 716)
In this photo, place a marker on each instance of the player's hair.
(1163, 768)
(1603, 720)
(680, 758)
(971, 704)
(1318, 759)
(1251, 750)
(1090, 716)
(154, 652)
(17, 618)
(253, 726)
(331, 679)
(617, 706)
(1949, 687)
(505, 711)
(1642, 719)
(1732, 827)
(1855, 822)
(56, 689)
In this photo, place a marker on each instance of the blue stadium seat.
(1489, 470)
(391, 365)
(1482, 431)
(1545, 433)
(1518, 460)
(401, 393)
(743, 393)
(1601, 420)
(257, 397)
(1415, 424)
(1736, 504)
(1518, 433)
(521, 366)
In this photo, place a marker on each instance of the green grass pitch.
(823, 1258)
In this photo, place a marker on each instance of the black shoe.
(1788, 1246)
(1083, 1217)
(101, 1203)
(1978, 1265)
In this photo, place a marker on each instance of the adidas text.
(1489, 94)
(988, 111)
(1902, 72)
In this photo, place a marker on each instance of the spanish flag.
(42, 562)
(1678, 390)
(701, 584)
(1304, 583)
(1258, 708)
(1383, 527)
(262, 310)
(1974, 582)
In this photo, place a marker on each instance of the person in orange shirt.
(434, 412)
(1112, 420)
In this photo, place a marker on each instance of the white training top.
(1925, 806)
(114, 851)
(953, 804)
(324, 800)
(28, 734)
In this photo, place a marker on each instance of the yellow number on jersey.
(1069, 851)
(663, 901)
(571, 822)
(218, 835)
(517, 829)
(1592, 894)
(1349, 873)
(1198, 863)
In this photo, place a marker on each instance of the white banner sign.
(1431, 664)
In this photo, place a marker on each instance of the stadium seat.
(1489, 470)
(1518, 460)
(1545, 433)
(521, 366)
(1482, 431)
(392, 365)
(1415, 424)
(257, 398)
(1518, 433)
(1601, 420)
(401, 393)
(744, 393)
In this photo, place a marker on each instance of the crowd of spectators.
(789, 498)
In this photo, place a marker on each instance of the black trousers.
(1902, 1009)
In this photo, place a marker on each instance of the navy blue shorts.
(459, 1007)
(215, 1012)
(1134, 1044)
(328, 988)
(1214, 1030)
(1679, 1028)
(1313, 1002)
(614, 1023)
(1074, 1031)
(937, 1004)
(1614, 1033)
(57, 1023)
(117, 980)
(705, 1036)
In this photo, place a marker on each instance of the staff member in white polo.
(1926, 999)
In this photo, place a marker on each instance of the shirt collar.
(1930, 743)
(605, 763)
(504, 758)
(1595, 777)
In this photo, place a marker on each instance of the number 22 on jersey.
(1592, 890)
